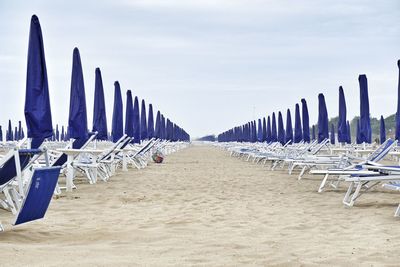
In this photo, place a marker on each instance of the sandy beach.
(204, 208)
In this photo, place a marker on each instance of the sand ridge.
(204, 208)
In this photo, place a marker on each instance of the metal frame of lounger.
(13, 166)
(100, 165)
(361, 183)
(354, 169)
(62, 158)
(136, 158)
(37, 196)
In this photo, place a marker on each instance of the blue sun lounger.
(39, 194)
(11, 167)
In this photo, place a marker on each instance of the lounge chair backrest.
(320, 146)
(112, 149)
(39, 194)
(8, 168)
(382, 150)
(145, 147)
(78, 144)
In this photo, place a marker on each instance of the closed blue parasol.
(358, 133)
(57, 133)
(382, 131)
(37, 102)
(157, 133)
(289, 127)
(163, 128)
(332, 135)
(269, 131)
(129, 114)
(143, 122)
(281, 129)
(274, 134)
(99, 109)
(260, 131)
(19, 134)
(62, 137)
(298, 131)
(77, 121)
(342, 122)
(117, 127)
(348, 133)
(136, 121)
(323, 127)
(313, 132)
(10, 136)
(305, 120)
(264, 130)
(150, 123)
(398, 106)
(365, 122)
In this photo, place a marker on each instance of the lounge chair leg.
(290, 168)
(70, 173)
(302, 172)
(397, 212)
(274, 165)
(350, 198)
(322, 185)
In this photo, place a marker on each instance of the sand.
(204, 208)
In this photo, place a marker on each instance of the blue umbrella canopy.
(19, 130)
(382, 132)
(269, 131)
(136, 121)
(143, 122)
(298, 131)
(313, 132)
(260, 131)
(157, 130)
(99, 109)
(77, 121)
(163, 128)
(1, 134)
(274, 134)
(332, 135)
(398, 106)
(169, 130)
(10, 136)
(348, 133)
(129, 114)
(117, 126)
(62, 134)
(37, 102)
(305, 120)
(16, 134)
(150, 123)
(323, 122)
(99, 114)
(264, 130)
(358, 133)
(365, 122)
(57, 133)
(281, 129)
(289, 128)
(254, 132)
(342, 122)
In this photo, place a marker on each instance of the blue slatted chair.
(39, 194)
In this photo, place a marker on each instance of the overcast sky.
(208, 65)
